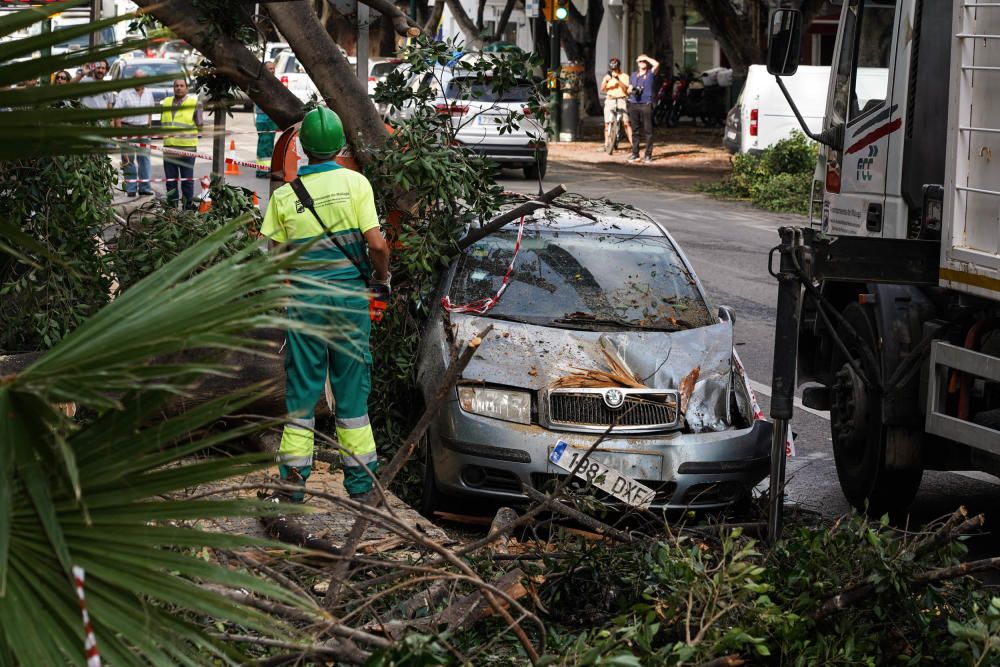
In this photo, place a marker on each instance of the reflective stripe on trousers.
(297, 443)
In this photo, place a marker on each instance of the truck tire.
(859, 437)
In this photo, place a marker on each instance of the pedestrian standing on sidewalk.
(91, 73)
(614, 85)
(135, 160)
(266, 129)
(640, 107)
(332, 208)
(182, 115)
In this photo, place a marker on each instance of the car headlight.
(512, 406)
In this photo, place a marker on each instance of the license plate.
(483, 119)
(730, 135)
(607, 479)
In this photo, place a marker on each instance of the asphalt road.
(728, 244)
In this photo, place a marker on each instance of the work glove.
(381, 291)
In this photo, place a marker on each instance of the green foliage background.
(64, 203)
(778, 179)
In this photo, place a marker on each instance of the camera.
(637, 91)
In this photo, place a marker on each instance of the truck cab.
(895, 312)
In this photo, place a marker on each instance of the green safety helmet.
(322, 133)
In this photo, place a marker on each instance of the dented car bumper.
(490, 459)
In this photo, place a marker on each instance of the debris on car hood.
(697, 362)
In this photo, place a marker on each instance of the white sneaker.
(633, 158)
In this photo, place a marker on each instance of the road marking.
(978, 476)
(764, 389)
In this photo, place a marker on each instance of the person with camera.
(614, 85)
(640, 105)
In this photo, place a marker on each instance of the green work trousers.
(347, 361)
(266, 130)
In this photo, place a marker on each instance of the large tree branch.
(333, 75)
(431, 26)
(401, 23)
(230, 58)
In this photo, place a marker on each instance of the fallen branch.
(510, 216)
(290, 531)
(333, 649)
(576, 515)
(350, 546)
(504, 517)
(725, 661)
(948, 532)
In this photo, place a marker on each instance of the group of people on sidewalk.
(632, 98)
(182, 114)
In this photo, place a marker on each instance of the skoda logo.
(614, 398)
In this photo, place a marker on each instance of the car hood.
(697, 362)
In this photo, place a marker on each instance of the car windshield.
(467, 87)
(582, 279)
(292, 65)
(153, 69)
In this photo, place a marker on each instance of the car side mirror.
(784, 42)
(727, 314)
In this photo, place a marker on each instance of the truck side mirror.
(784, 42)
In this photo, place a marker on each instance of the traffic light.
(555, 10)
(562, 10)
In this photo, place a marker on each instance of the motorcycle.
(702, 98)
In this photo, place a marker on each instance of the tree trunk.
(579, 38)
(742, 34)
(480, 10)
(231, 58)
(662, 48)
(739, 33)
(333, 75)
(473, 41)
(504, 20)
(541, 41)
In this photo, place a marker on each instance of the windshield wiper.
(601, 321)
(507, 318)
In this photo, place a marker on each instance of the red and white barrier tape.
(159, 180)
(483, 306)
(176, 152)
(89, 640)
(758, 414)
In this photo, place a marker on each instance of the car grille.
(641, 410)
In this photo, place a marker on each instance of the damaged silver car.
(601, 329)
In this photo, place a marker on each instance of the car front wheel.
(537, 170)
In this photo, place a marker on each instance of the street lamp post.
(555, 63)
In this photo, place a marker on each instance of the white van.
(762, 116)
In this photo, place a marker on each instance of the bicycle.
(616, 131)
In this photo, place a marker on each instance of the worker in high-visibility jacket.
(332, 208)
(182, 116)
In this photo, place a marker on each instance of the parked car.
(126, 69)
(175, 49)
(478, 117)
(591, 281)
(293, 75)
(378, 70)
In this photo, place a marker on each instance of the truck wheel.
(859, 437)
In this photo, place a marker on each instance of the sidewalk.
(683, 157)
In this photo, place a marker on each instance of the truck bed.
(970, 233)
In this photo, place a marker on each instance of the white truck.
(889, 302)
